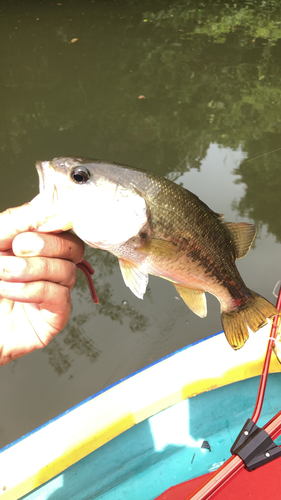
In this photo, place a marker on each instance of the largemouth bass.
(153, 226)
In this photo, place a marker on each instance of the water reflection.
(57, 358)
(250, 19)
(210, 73)
(105, 263)
(78, 343)
(261, 202)
(75, 338)
(118, 312)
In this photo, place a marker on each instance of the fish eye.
(80, 175)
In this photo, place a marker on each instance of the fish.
(154, 226)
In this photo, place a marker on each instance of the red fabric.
(261, 484)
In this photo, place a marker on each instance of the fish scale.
(153, 226)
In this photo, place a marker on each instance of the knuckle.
(54, 293)
(46, 267)
(72, 276)
(59, 271)
(6, 217)
(46, 289)
(60, 245)
(72, 247)
(15, 217)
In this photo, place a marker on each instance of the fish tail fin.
(253, 313)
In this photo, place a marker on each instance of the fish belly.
(180, 270)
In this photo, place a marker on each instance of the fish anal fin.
(253, 313)
(243, 235)
(134, 277)
(194, 299)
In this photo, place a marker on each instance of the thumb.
(13, 221)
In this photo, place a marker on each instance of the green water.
(188, 90)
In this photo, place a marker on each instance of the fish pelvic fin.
(194, 299)
(254, 314)
(134, 277)
(243, 235)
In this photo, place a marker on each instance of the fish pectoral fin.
(243, 235)
(194, 299)
(134, 277)
(159, 248)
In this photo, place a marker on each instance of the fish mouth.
(47, 187)
(51, 214)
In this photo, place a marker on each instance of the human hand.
(37, 272)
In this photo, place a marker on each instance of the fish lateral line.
(154, 226)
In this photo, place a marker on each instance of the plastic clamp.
(255, 446)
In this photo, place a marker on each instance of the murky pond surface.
(187, 90)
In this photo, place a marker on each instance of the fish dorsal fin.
(134, 277)
(220, 217)
(243, 235)
(194, 299)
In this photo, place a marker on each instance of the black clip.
(205, 445)
(255, 446)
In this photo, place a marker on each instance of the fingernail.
(11, 265)
(28, 244)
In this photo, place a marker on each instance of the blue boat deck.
(165, 449)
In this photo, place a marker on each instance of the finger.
(17, 220)
(18, 269)
(7, 252)
(63, 245)
(50, 296)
